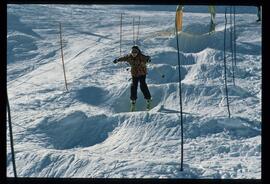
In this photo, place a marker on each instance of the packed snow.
(88, 131)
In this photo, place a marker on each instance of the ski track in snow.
(89, 131)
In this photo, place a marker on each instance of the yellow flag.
(178, 17)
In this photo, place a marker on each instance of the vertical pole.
(11, 138)
(180, 96)
(231, 44)
(121, 34)
(62, 55)
(234, 36)
(225, 77)
(71, 13)
(133, 32)
(138, 30)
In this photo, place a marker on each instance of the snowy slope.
(89, 131)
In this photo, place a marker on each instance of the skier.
(137, 61)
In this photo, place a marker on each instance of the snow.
(88, 131)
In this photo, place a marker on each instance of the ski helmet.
(135, 47)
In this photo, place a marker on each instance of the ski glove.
(115, 61)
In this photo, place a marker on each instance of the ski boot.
(132, 107)
(148, 104)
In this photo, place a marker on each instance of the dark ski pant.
(143, 86)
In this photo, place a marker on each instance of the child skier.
(137, 61)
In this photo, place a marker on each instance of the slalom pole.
(225, 78)
(231, 44)
(11, 138)
(62, 55)
(137, 40)
(121, 34)
(180, 96)
(133, 26)
(234, 33)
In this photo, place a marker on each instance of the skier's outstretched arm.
(121, 59)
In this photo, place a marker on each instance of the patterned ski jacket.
(138, 63)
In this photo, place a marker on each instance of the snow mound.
(74, 130)
(235, 127)
(92, 95)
